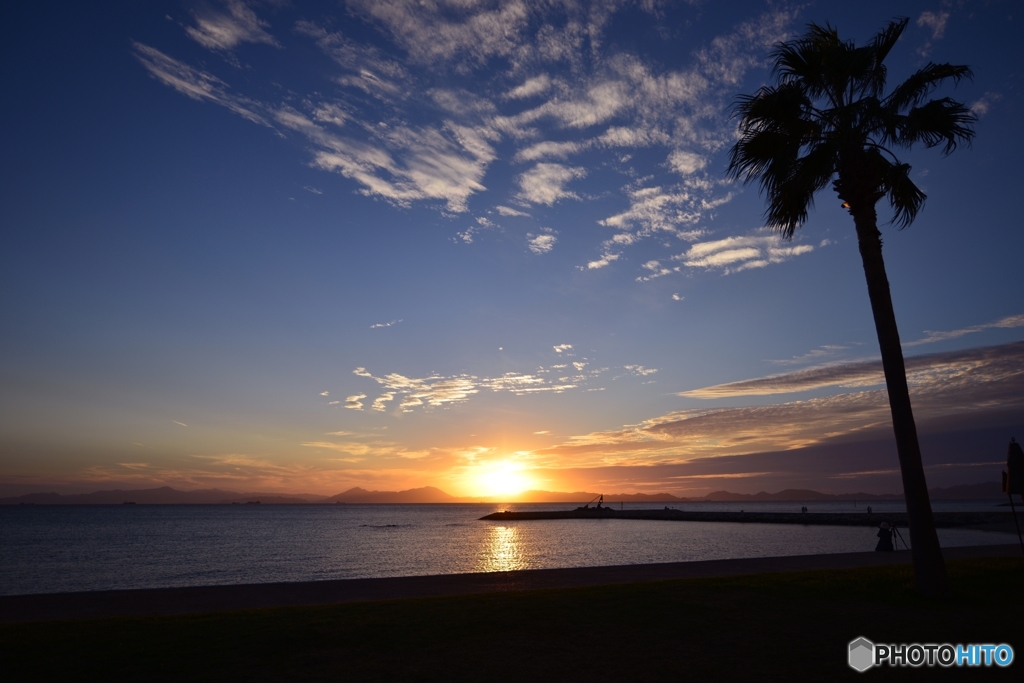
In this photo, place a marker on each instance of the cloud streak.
(1007, 323)
(736, 254)
(196, 84)
(950, 366)
(943, 386)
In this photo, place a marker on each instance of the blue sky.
(292, 246)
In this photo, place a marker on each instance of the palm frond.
(803, 60)
(905, 198)
(773, 126)
(791, 197)
(789, 206)
(879, 47)
(938, 122)
(779, 108)
(765, 156)
(885, 40)
(911, 92)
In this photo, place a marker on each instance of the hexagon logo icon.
(862, 654)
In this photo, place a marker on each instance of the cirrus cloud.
(735, 254)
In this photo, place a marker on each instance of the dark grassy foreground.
(771, 627)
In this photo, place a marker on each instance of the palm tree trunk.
(929, 567)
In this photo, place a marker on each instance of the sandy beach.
(202, 599)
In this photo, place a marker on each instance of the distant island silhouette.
(166, 495)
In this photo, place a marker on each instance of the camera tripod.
(896, 534)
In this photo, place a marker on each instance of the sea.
(62, 548)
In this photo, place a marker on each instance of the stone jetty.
(899, 519)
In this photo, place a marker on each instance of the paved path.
(199, 599)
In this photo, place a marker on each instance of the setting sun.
(500, 479)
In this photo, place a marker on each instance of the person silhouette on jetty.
(884, 538)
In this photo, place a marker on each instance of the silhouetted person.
(1013, 480)
(884, 538)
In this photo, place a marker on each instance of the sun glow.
(500, 479)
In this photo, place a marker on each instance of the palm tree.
(827, 119)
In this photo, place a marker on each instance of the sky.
(479, 245)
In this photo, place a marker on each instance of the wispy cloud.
(408, 164)
(219, 30)
(538, 85)
(469, 234)
(655, 270)
(355, 402)
(361, 451)
(686, 163)
(380, 402)
(640, 370)
(605, 260)
(548, 150)
(562, 348)
(545, 183)
(735, 254)
(199, 85)
(430, 34)
(982, 105)
(388, 324)
(951, 367)
(508, 211)
(180, 424)
(1009, 322)
(936, 21)
(814, 355)
(653, 209)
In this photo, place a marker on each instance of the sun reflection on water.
(502, 551)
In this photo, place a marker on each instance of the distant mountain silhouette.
(165, 495)
(426, 494)
(798, 494)
(982, 491)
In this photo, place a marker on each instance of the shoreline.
(228, 598)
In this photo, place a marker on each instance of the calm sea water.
(45, 549)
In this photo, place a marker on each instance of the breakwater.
(942, 519)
